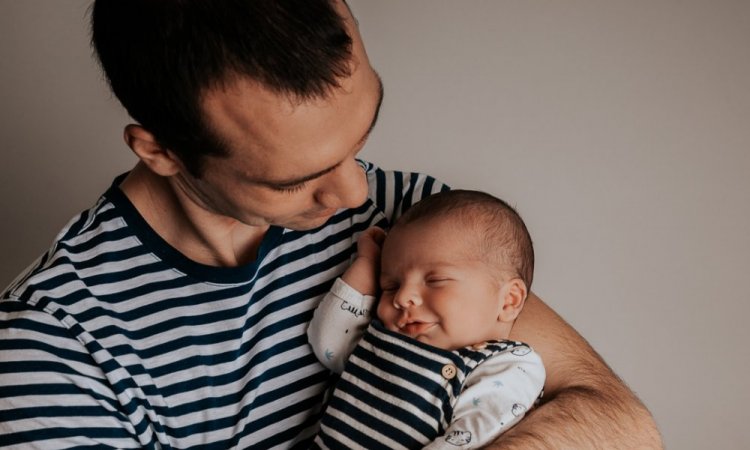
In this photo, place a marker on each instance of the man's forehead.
(312, 173)
(274, 138)
(290, 142)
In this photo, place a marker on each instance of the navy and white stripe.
(395, 392)
(114, 338)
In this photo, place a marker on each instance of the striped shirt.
(398, 393)
(113, 338)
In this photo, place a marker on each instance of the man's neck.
(201, 235)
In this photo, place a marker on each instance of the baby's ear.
(512, 297)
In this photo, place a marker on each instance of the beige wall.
(620, 129)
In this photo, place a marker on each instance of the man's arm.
(586, 405)
(53, 394)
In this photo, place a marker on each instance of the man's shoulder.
(95, 227)
(394, 191)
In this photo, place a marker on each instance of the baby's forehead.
(477, 237)
(467, 230)
(464, 240)
(460, 218)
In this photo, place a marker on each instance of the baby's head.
(455, 270)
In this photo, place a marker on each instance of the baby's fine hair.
(501, 235)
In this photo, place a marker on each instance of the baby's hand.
(369, 243)
(363, 274)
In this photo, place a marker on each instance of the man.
(173, 312)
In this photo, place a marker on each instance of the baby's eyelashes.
(388, 289)
(437, 281)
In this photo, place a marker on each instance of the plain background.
(620, 129)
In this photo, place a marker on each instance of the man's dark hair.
(501, 237)
(160, 56)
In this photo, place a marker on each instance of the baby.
(434, 369)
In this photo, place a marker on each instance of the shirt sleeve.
(338, 324)
(52, 393)
(393, 192)
(497, 395)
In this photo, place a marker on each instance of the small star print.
(498, 384)
(475, 401)
(329, 354)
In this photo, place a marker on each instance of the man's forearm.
(585, 418)
(586, 405)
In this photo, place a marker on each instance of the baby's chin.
(433, 339)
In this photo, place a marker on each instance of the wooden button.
(480, 346)
(449, 371)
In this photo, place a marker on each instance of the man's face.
(290, 163)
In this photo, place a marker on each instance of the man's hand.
(363, 274)
(585, 405)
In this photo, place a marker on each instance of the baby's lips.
(416, 328)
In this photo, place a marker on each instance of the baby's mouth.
(414, 328)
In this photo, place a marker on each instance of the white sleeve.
(338, 324)
(496, 396)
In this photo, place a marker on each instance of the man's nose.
(345, 187)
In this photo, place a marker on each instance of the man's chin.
(310, 221)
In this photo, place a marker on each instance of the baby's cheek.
(386, 313)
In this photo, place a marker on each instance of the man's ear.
(512, 297)
(146, 147)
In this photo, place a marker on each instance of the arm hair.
(586, 406)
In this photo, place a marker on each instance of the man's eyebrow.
(300, 180)
(293, 182)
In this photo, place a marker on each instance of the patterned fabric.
(398, 393)
(114, 338)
